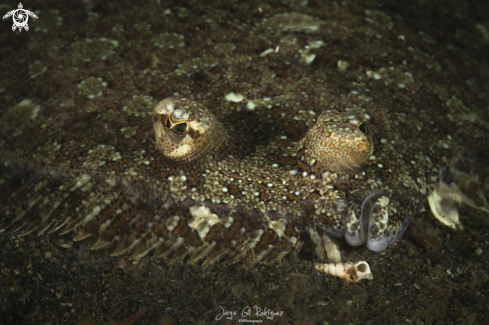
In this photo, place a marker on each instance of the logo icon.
(20, 17)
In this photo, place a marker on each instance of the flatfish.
(161, 140)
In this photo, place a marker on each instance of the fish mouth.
(370, 223)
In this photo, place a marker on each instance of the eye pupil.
(178, 128)
(168, 122)
(362, 127)
(181, 127)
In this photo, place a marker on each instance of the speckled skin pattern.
(274, 130)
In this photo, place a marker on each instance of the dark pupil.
(180, 128)
(363, 128)
(168, 123)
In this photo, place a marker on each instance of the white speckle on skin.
(180, 114)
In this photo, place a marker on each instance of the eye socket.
(180, 127)
(362, 127)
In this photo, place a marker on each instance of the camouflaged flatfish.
(274, 129)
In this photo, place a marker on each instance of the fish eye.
(180, 127)
(363, 127)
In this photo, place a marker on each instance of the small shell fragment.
(351, 272)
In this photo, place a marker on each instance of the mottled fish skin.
(246, 145)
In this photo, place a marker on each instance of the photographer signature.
(248, 311)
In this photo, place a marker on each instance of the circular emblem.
(20, 17)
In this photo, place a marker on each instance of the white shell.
(351, 272)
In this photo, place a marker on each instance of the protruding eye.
(180, 127)
(187, 131)
(337, 143)
(363, 127)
